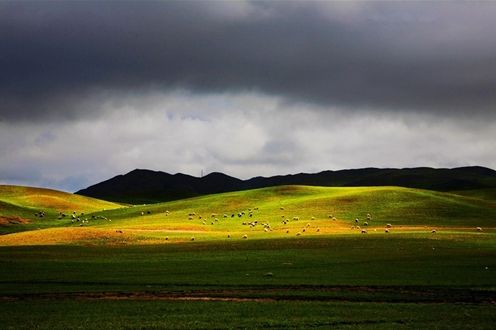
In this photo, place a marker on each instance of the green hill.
(278, 211)
(22, 205)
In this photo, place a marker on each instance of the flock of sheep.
(241, 215)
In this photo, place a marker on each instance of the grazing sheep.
(296, 218)
(318, 229)
(386, 230)
(303, 230)
(166, 238)
(479, 229)
(388, 225)
(287, 231)
(433, 231)
(365, 223)
(266, 230)
(190, 218)
(331, 216)
(308, 224)
(298, 234)
(245, 236)
(193, 238)
(356, 220)
(228, 236)
(313, 218)
(364, 231)
(281, 208)
(225, 215)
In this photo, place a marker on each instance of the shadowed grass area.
(242, 315)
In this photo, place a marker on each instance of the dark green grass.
(403, 260)
(407, 281)
(241, 315)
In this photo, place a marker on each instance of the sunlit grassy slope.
(285, 211)
(20, 204)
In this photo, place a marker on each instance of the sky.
(90, 90)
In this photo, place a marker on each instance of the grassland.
(137, 267)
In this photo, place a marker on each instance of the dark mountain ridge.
(146, 186)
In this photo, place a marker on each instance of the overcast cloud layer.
(89, 90)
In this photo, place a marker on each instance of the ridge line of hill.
(147, 186)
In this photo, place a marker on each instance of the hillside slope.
(145, 186)
(21, 206)
(282, 211)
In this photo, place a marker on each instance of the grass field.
(138, 267)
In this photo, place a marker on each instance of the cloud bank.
(89, 90)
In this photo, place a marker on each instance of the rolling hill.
(285, 211)
(145, 186)
(21, 205)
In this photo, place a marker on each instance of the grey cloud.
(62, 60)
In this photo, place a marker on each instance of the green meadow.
(307, 257)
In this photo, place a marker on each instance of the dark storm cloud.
(63, 59)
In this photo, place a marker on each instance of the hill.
(21, 205)
(145, 186)
(285, 211)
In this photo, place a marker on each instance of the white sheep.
(479, 229)
(245, 236)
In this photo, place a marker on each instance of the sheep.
(193, 238)
(190, 218)
(365, 223)
(228, 236)
(388, 225)
(287, 231)
(281, 208)
(166, 238)
(296, 218)
(331, 216)
(303, 230)
(308, 224)
(245, 236)
(433, 231)
(386, 231)
(318, 229)
(313, 218)
(364, 231)
(298, 234)
(142, 213)
(266, 230)
(225, 215)
(119, 231)
(479, 229)
(356, 220)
